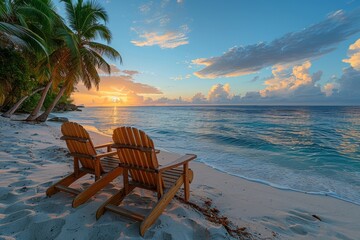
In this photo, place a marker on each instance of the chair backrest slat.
(137, 155)
(79, 143)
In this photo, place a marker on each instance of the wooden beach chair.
(105, 166)
(141, 169)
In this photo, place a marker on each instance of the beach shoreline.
(32, 157)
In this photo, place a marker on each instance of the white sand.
(32, 157)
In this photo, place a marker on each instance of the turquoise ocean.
(308, 149)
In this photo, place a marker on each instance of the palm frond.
(24, 36)
(106, 50)
(100, 62)
(97, 30)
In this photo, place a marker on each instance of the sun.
(115, 99)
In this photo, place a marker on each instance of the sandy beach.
(32, 157)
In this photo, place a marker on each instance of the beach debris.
(317, 217)
(212, 214)
(65, 107)
(59, 119)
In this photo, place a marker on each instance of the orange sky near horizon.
(117, 89)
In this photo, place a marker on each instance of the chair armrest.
(103, 145)
(180, 161)
(107, 154)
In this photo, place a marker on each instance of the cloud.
(113, 68)
(145, 8)
(133, 98)
(295, 85)
(158, 26)
(115, 71)
(199, 98)
(163, 40)
(309, 43)
(130, 72)
(348, 86)
(164, 3)
(180, 77)
(124, 84)
(164, 21)
(330, 88)
(354, 54)
(289, 85)
(165, 101)
(287, 81)
(115, 89)
(219, 93)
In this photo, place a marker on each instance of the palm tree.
(25, 26)
(80, 55)
(25, 23)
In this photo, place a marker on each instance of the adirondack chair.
(141, 169)
(105, 166)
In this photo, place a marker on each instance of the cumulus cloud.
(287, 81)
(354, 55)
(295, 85)
(163, 40)
(219, 93)
(311, 42)
(330, 88)
(289, 85)
(199, 98)
(348, 86)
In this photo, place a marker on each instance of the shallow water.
(308, 149)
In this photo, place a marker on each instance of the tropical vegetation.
(43, 56)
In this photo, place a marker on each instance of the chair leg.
(160, 206)
(64, 182)
(95, 187)
(116, 199)
(188, 177)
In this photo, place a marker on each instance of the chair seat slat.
(78, 139)
(68, 189)
(125, 212)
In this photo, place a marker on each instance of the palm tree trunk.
(17, 105)
(44, 115)
(38, 107)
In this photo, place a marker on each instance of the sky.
(282, 52)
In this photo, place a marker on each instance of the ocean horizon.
(311, 149)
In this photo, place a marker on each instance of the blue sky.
(231, 52)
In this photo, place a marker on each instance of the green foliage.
(15, 76)
(30, 103)
(51, 97)
(62, 53)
